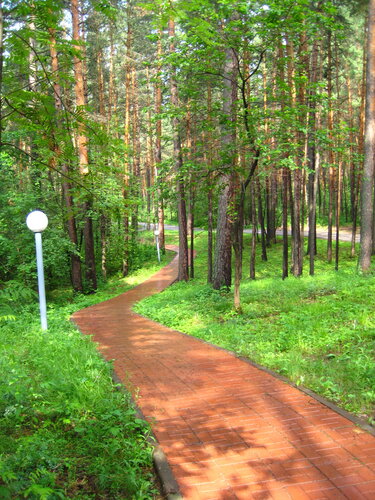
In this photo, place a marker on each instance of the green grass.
(65, 429)
(317, 331)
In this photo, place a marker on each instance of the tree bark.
(183, 266)
(331, 171)
(75, 260)
(285, 222)
(158, 150)
(261, 221)
(136, 150)
(210, 189)
(79, 88)
(82, 141)
(254, 232)
(367, 199)
(127, 166)
(357, 179)
(311, 158)
(222, 273)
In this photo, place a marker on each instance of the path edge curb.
(168, 482)
(358, 421)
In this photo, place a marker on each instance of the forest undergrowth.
(318, 331)
(65, 429)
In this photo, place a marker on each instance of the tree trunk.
(261, 221)
(191, 229)
(311, 158)
(75, 261)
(88, 235)
(285, 222)
(150, 168)
(210, 189)
(331, 171)
(238, 244)
(360, 150)
(111, 83)
(339, 180)
(183, 266)
(254, 232)
(222, 275)
(297, 247)
(79, 89)
(367, 199)
(136, 150)
(82, 141)
(271, 209)
(104, 243)
(158, 152)
(127, 167)
(209, 235)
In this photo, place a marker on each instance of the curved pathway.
(228, 429)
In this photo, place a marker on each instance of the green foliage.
(317, 331)
(65, 429)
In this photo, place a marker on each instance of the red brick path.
(228, 429)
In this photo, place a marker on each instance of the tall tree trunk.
(254, 232)
(301, 159)
(112, 98)
(136, 149)
(127, 166)
(82, 141)
(222, 275)
(271, 208)
(88, 235)
(297, 247)
(331, 172)
(158, 152)
(183, 266)
(102, 111)
(75, 261)
(238, 244)
(357, 181)
(150, 151)
(285, 170)
(104, 243)
(311, 157)
(339, 180)
(285, 221)
(79, 88)
(210, 188)
(367, 199)
(261, 221)
(352, 165)
(191, 229)
(209, 233)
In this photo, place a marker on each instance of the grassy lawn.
(65, 430)
(317, 331)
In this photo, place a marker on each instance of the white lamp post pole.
(156, 233)
(37, 222)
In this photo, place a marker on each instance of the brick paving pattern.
(228, 429)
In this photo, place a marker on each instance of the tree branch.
(50, 167)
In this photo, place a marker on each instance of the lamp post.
(156, 233)
(37, 222)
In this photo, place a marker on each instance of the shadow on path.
(229, 430)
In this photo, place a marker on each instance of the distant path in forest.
(345, 233)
